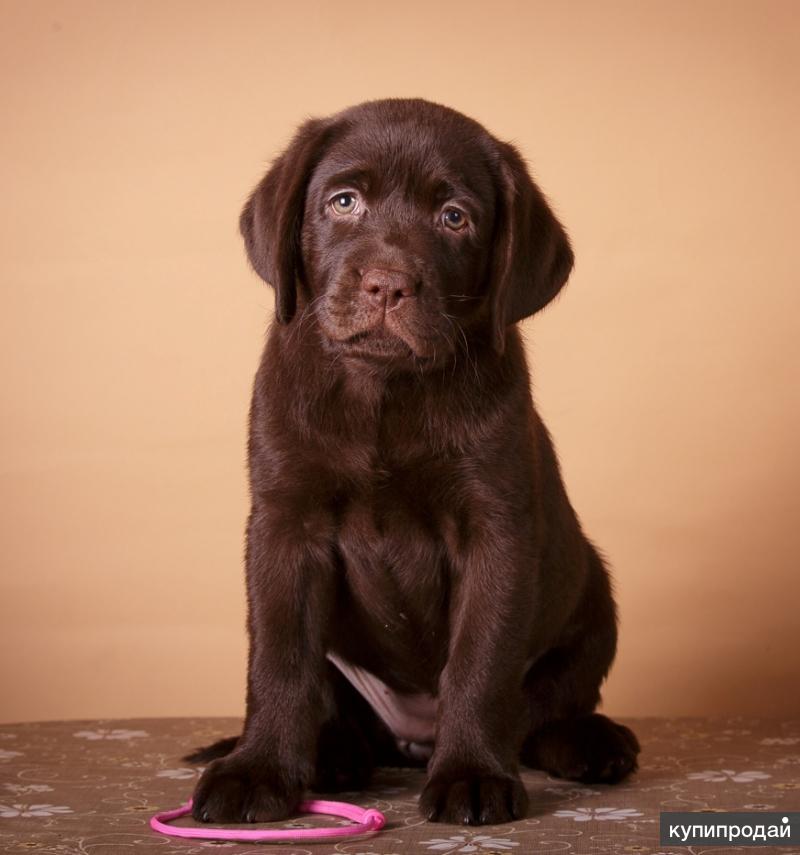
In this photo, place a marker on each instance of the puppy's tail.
(212, 752)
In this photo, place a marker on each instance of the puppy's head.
(403, 226)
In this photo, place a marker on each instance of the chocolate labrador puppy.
(419, 587)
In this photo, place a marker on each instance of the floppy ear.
(273, 216)
(533, 258)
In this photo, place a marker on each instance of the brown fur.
(408, 511)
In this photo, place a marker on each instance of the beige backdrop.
(667, 136)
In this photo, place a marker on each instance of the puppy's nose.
(387, 287)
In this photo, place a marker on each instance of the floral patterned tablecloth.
(91, 786)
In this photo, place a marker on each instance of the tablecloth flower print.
(90, 787)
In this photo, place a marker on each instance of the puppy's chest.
(394, 574)
(389, 535)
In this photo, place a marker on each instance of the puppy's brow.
(358, 177)
(445, 189)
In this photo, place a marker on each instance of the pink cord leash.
(367, 820)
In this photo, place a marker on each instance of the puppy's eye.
(454, 219)
(344, 203)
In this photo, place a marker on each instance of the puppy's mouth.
(374, 333)
(377, 343)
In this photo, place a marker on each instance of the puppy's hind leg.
(567, 737)
(345, 755)
(352, 742)
(592, 749)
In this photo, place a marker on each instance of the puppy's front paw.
(473, 798)
(241, 788)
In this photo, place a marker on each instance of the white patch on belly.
(411, 718)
